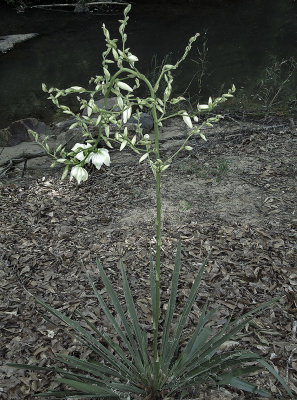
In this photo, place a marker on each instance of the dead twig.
(9, 164)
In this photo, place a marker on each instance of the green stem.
(158, 252)
(158, 218)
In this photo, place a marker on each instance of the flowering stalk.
(82, 154)
(200, 360)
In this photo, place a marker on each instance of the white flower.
(80, 155)
(120, 102)
(142, 158)
(124, 86)
(202, 107)
(123, 145)
(187, 120)
(100, 157)
(79, 173)
(132, 58)
(50, 334)
(127, 114)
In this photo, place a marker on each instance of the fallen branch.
(10, 164)
(96, 3)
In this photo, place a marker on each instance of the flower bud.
(124, 86)
(187, 120)
(132, 58)
(202, 107)
(142, 158)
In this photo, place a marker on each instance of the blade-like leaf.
(116, 326)
(182, 321)
(195, 343)
(219, 362)
(86, 388)
(171, 305)
(233, 328)
(30, 367)
(117, 349)
(140, 335)
(119, 310)
(247, 387)
(95, 368)
(66, 394)
(276, 375)
(86, 338)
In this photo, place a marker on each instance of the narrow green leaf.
(276, 375)
(97, 369)
(233, 328)
(114, 299)
(184, 317)
(191, 347)
(86, 338)
(117, 349)
(165, 347)
(140, 335)
(29, 367)
(218, 363)
(66, 394)
(204, 369)
(247, 387)
(86, 388)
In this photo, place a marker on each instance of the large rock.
(146, 121)
(110, 102)
(8, 42)
(17, 132)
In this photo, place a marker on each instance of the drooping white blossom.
(132, 58)
(120, 102)
(202, 107)
(142, 158)
(100, 157)
(127, 114)
(124, 86)
(79, 173)
(187, 120)
(80, 155)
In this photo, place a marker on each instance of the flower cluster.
(98, 157)
(123, 84)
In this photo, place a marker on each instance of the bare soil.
(235, 194)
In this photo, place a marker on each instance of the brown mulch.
(235, 194)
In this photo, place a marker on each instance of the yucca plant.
(136, 368)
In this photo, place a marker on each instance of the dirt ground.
(235, 194)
